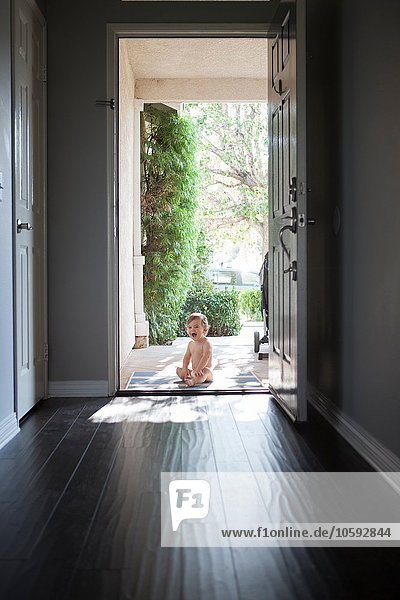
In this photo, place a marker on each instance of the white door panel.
(29, 180)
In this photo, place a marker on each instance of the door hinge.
(44, 73)
(45, 352)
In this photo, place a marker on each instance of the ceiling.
(197, 58)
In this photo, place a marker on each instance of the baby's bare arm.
(186, 360)
(186, 357)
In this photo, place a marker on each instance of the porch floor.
(232, 354)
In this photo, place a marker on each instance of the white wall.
(126, 136)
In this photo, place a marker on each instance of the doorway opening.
(204, 80)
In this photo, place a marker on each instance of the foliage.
(169, 225)
(250, 304)
(200, 279)
(220, 307)
(234, 164)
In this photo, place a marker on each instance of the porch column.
(141, 325)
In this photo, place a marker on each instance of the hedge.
(220, 307)
(250, 304)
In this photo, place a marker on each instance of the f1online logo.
(188, 499)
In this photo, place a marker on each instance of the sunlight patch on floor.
(172, 409)
(176, 409)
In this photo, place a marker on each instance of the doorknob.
(21, 226)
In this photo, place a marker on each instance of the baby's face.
(196, 329)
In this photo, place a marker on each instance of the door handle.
(292, 269)
(281, 232)
(293, 218)
(293, 228)
(280, 89)
(21, 226)
(293, 189)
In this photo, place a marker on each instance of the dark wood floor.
(80, 514)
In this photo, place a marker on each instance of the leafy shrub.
(220, 307)
(250, 304)
(169, 224)
(204, 251)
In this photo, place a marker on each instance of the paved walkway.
(233, 354)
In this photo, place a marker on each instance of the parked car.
(233, 279)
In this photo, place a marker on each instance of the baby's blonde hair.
(203, 319)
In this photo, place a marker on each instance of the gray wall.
(323, 174)
(371, 216)
(6, 223)
(354, 303)
(77, 203)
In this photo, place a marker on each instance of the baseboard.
(8, 429)
(77, 389)
(371, 449)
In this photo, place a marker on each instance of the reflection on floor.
(233, 355)
(80, 503)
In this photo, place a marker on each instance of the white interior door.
(287, 214)
(29, 195)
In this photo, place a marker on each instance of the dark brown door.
(287, 212)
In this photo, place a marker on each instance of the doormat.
(154, 380)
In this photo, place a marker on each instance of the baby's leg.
(205, 377)
(179, 372)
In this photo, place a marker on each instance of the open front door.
(287, 210)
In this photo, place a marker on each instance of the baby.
(199, 351)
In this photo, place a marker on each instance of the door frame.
(39, 15)
(301, 99)
(115, 32)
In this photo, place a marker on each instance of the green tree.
(200, 278)
(233, 142)
(169, 223)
